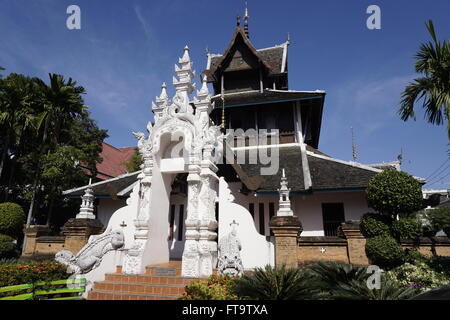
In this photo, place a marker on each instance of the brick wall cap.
(77, 223)
(285, 221)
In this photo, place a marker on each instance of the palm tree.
(433, 61)
(16, 98)
(62, 101)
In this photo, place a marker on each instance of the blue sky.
(126, 49)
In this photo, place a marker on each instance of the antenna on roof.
(354, 154)
(246, 16)
(400, 156)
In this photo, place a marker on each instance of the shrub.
(374, 224)
(393, 192)
(409, 228)
(31, 272)
(269, 283)
(440, 264)
(12, 218)
(412, 255)
(384, 251)
(7, 247)
(439, 218)
(215, 288)
(341, 281)
(418, 275)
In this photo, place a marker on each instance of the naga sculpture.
(90, 256)
(230, 262)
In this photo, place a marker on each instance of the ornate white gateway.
(182, 140)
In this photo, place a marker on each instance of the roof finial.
(238, 20)
(246, 16)
(354, 154)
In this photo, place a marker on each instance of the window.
(171, 221)
(333, 215)
(180, 222)
(271, 213)
(262, 224)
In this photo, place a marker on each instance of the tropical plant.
(272, 283)
(340, 281)
(384, 251)
(433, 61)
(375, 224)
(394, 192)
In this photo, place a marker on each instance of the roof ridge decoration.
(245, 39)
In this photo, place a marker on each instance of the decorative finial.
(246, 16)
(288, 40)
(354, 154)
(238, 20)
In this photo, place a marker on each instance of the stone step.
(147, 279)
(107, 295)
(150, 289)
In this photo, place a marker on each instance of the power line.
(448, 174)
(437, 169)
(436, 176)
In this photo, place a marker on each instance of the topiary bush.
(12, 218)
(7, 247)
(384, 251)
(409, 228)
(394, 192)
(375, 224)
(214, 288)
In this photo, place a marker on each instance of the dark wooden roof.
(326, 173)
(270, 58)
(329, 174)
(267, 96)
(108, 188)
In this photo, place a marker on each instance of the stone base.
(78, 231)
(286, 230)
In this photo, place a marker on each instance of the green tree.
(134, 164)
(433, 61)
(394, 192)
(61, 102)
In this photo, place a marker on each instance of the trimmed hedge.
(7, 247)
(12, 218)
(384, 251)
(375, 224)
(31, 272)
(407, 228)
(394, 192)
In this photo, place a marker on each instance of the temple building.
(227, 171)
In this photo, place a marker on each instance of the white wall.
(106, 207)
(308, 207)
